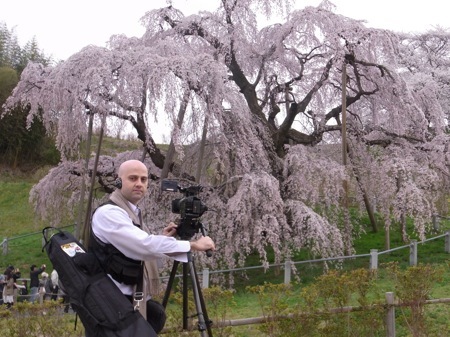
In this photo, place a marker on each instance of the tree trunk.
(369, 210)
(367, 204)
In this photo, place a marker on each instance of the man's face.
(134, 182)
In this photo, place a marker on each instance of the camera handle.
(203, 231)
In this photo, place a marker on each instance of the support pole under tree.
(344, 128)
(80, 225)
(180, 118)
(201, 153)
(347, 228)
(86, 225)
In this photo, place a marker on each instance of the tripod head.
(190, 208)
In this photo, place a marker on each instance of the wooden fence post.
(41, 297)
(447, 242)
(287, 272)
(436, 222)
(413, 253)
(373, 259)
(5, 246)
(390, 315)
(205, 278)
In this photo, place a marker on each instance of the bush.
(26, 319)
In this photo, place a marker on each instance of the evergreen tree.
(21, 142)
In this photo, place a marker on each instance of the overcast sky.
(62, 28)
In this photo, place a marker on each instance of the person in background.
(45, 286)
(8, 271)
(34, 281)
(9, 290)
(22, 292)
(55, 281)
(2, 284)
(16, 274)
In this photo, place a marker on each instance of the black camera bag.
(101, 306)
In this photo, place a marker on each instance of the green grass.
(17, 219)
(16, 214)
(112, 146)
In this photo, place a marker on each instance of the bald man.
(122, 243)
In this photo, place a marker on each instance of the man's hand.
(170, 230)
(203, 244)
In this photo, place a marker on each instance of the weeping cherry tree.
(265, 107)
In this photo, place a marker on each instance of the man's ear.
(118, 183)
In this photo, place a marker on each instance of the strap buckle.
(138, 297)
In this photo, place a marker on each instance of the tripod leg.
(170, 284)
(185, 298)
(207, 321)
(185, 291)
(204, 324)
(203, 320)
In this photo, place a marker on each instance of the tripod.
(204, 323)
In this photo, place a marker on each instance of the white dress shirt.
(111, 224)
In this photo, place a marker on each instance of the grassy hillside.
(17, 219)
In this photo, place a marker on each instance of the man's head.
(134, 176)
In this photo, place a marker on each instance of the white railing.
(373, 264)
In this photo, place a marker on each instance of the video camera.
(190, 208)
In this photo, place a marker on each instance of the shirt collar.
(134, 208)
